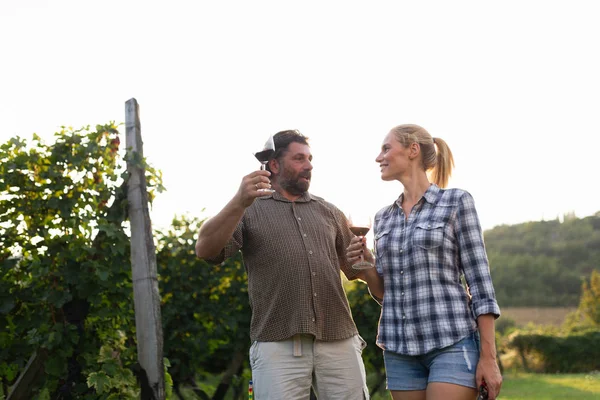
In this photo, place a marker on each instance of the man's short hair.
(283, 140)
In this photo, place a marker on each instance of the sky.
(513, 87)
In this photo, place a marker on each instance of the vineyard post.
(143, 263)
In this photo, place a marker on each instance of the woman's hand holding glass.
(360, 225)
(358, 254)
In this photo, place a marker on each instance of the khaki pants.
(286, 370)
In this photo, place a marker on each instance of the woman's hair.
(437, 164)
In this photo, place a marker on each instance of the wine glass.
(264, 155)
(360, 225)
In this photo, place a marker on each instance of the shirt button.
(429, 226)
(314, 273)
(401, 272)
(304, 234)
(299, 219)
(403, 316)
(314, 294)
(401, 250)
(313, 320)
(402, 293)
(310, 252)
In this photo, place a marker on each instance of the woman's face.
(393, 159)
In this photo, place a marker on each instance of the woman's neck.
(415, 187)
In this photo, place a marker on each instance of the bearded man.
(294, 247)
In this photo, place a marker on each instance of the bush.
(573, 353)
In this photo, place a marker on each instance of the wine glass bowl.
(360, 225)
(264, 156)
(266, 153)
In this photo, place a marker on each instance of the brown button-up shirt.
(293, 252)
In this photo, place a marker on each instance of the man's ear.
(274, 166)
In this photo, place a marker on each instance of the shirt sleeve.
(378, 266)
(342, 241)
(232, 247)
(473, 258)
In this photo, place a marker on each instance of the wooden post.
(148, 322)
(34, 370)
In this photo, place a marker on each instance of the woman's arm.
(370, 276)
(487, 368)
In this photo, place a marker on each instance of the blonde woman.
(437, 335)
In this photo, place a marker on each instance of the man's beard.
(294, 185)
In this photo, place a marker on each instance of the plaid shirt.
(422, 260)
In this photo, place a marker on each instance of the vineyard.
(67, 320)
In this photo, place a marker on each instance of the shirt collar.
(430, 195)
(304, 198)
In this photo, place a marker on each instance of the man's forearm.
(216, 232)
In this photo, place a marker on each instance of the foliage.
(205, 308)
(589, 304)
(550, 259)
(113, 379)
(65, 277)
(570, 353)
(504, 325)
(365, 312)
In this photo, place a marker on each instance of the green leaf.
(43, 395)
(6, 304)
(98, 380)
(55, 366)
(103, 275)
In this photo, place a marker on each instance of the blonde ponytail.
(438, 164)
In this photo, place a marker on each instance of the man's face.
(295, 169)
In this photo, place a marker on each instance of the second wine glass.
(360, 225)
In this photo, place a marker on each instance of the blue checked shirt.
(422, 259)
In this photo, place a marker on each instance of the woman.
(437, 334)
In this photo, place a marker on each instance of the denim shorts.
(453, 364)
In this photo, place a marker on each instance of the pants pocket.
(252, 354)
(360, 343)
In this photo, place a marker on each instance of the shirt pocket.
(428, 235)
(382, 239)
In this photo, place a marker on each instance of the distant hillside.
(543, 263)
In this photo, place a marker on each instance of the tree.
(64, 252)
(205, 309)
(589, 305)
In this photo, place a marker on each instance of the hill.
(543, 263)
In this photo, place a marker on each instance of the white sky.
(512, 86)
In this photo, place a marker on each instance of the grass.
(526, 386)
(523, 386)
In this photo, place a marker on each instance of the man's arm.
(216, 232)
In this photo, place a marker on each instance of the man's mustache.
(306, 175)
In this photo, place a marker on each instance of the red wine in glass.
(266, 153)
(360, 226)
(360, 230)
(264, 156)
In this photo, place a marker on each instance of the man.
(294, 245)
